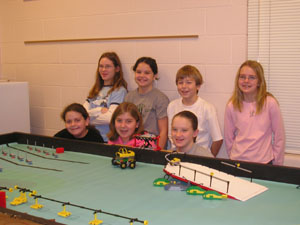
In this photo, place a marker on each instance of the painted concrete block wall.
(62, 73)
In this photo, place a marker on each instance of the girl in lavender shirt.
(253, 126)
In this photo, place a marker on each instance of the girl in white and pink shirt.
(253, 125)
(126, 122)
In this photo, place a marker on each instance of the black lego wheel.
(132, 165)
(123, 165)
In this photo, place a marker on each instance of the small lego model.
(36, 205)
(28, 161)
(46, 152)
(213, 195)
(147, 141)
(176, 185)
(60, 150)
(195, 190)
(64, 213)
(4, 153)
(95, 221)
(171, 185)
(2, 199)
(20, 200)
(124, 158)
(175, 162)
(20, 158)
(159, 182)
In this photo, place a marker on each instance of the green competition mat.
(93, 182)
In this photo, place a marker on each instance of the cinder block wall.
(62, 73)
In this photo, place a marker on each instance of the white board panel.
(14, 107)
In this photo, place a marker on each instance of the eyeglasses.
(250, 77)
(105, 67)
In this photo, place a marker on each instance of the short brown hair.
(189, 71)
(76, 107)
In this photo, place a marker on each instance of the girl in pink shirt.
(125, 122)
(253, 126)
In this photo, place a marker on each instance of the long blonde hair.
(118, 80)
(238, 96)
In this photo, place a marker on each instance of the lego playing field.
(91, 181)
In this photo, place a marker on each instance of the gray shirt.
(152, 105)
(200, 151)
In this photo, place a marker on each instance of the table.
(130, 192)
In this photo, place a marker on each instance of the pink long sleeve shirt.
(119, 141)
(248, 136)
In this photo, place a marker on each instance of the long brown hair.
(118, 77)
(123, 108)
(238, 96)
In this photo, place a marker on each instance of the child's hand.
(93, 112)
(104, 110)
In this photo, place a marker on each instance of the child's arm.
(229, 129)
(214, 130)
(278, 133)
(161, 105)
(215, 147)
(86, 105)
(93, 112)
(104, 110)
(163, 131)
(102, 115)
(170, 117)
(104, 118)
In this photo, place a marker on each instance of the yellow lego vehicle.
(124, 158)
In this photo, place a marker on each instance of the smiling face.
(188, 89)
(182, 133)
(144, 77)
(125, 125)
(107, 70)
(76, 124)
(248, 83)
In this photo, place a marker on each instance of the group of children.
(253, 126)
